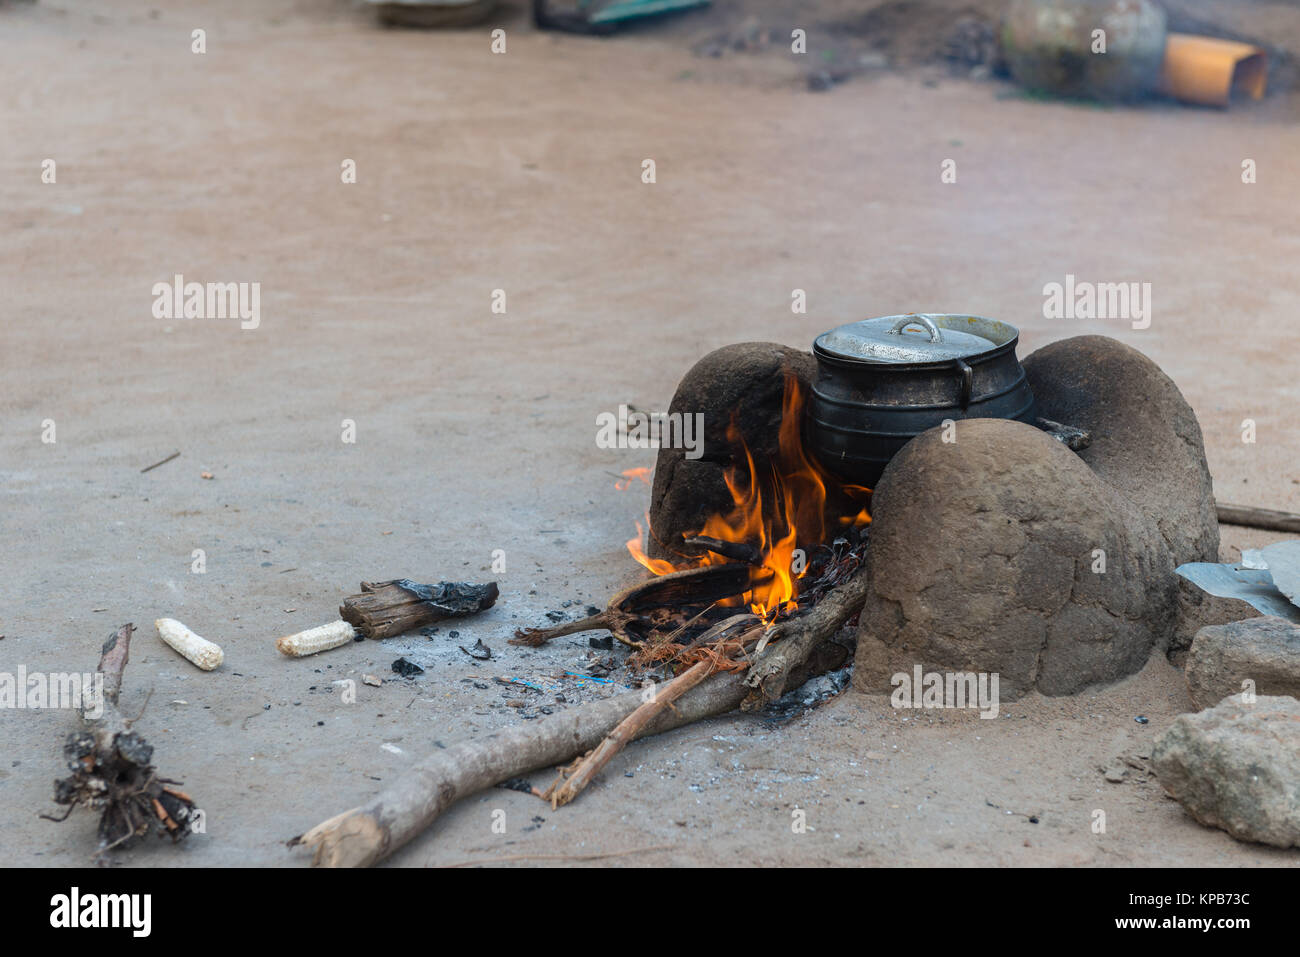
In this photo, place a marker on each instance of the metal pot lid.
(913, 338)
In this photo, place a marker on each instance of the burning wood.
(735, 551)
(798, 600)
(384, 609)
(636, 613)
(799, 639)
(710, 685)
(778, 512)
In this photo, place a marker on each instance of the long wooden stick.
(625, 732)
(692, 586)
(367, 834)
(584, 772)
(770, 675)
(1252, 517)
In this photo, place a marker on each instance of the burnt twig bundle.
(112, 769)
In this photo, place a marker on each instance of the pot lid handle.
(915, 320)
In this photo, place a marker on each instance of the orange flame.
(629, 474)
(656, 565)
(794, 512)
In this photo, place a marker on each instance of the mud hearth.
(994, 548)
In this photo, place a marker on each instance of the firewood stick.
(610, 620)
(565, 790)
(1252, 517)
(366, 835)
(796, 639)
(736, 551)
(693, 586)
(625, 732)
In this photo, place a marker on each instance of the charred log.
(628, 616)
(385, 609)
(736, 551)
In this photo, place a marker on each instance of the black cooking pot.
(881, 382)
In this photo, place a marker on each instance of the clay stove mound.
(1146, 441)
(981, 560)
(1004, 552)
(744, 382)
(997, 550)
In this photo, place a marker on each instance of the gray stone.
(1264, 650)
(982, 559)
(1237, 767)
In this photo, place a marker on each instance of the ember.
(778, 512)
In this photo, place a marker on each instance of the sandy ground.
(475, 431)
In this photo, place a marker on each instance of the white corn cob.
(320, 638)
(203, 653)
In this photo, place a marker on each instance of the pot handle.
(917, 320)
(967, 383)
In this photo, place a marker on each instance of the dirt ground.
(475, 431)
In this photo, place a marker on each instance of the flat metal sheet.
(1283, 560)
(1251, 558)
(1252, 585)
